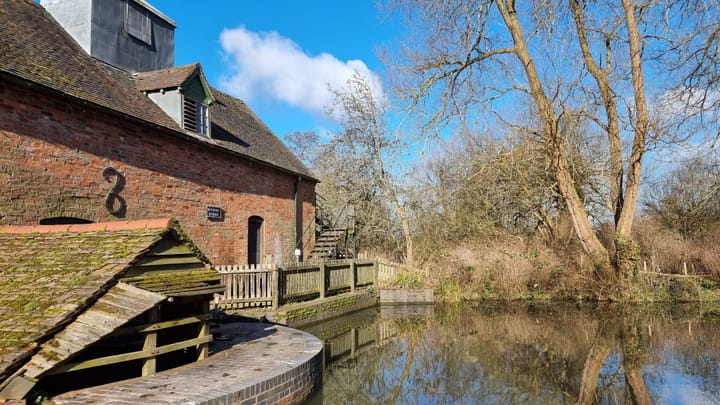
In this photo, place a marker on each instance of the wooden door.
(255, 239)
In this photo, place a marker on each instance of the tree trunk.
(626, 248)
(594, 361)
(612, 128)
(551, 136)
(624, 224)
(633, 350)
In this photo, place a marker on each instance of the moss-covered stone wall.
(319, 310)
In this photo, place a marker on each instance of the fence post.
(275, 288)
(376, 271)
(353, 276)
(150, 344)
(204, 330)
(323, 286)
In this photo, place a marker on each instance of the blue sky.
(279, 56)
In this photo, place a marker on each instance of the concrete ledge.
(254, 363)
(308, 312)
(388, 296)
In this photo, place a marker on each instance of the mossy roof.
(36, 49)
(51, 274)
(165, 78)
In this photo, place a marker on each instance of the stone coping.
(159, 223)
(249, 363)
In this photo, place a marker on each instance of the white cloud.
(268, 65)
(687, 102)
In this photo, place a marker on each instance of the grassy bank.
(517, 269)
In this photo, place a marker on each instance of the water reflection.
(543, 354)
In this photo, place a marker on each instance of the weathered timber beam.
(162, 325)
(121, 358)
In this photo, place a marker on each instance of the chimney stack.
(129, 34)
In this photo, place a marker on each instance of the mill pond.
(502, 353)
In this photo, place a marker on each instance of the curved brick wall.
(258, 364)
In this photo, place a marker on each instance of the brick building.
(96, 124)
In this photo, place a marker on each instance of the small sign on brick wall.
(214, 213)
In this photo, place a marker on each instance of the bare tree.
(686, 199)
(367, 143)
(481, 55)
(347, 193)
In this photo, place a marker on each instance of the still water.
(522, 354)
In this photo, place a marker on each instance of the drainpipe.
(298, 222)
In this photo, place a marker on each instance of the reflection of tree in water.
(380, 375)
(530, 355)
(614, 330)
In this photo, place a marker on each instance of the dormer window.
(195, 116)
(183, 93)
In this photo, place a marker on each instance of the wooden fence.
(271, 286)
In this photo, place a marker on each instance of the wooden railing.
(151, 350)
(386, 271)
(271, 286)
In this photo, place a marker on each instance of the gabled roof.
(36, 50)
(164, 78)
(173, 78)
(50, 274)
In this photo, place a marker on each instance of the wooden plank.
(126, 301)
(140, 270)
(197, 291)
(163, 325)
(16, 388)
(245, 300)
(150, 343)
(121, 358)
(203, 331)
(252, 287)
(166, 260)
(169, 247)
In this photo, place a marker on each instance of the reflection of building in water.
(351, 343)
(349, 337)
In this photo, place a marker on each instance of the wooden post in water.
(275, 293)
(353, 276)
(149, 365)
(353, 342)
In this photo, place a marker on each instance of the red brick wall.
(53, 152)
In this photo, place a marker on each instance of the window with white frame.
(196, 117)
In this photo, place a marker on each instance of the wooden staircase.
(330, 245)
